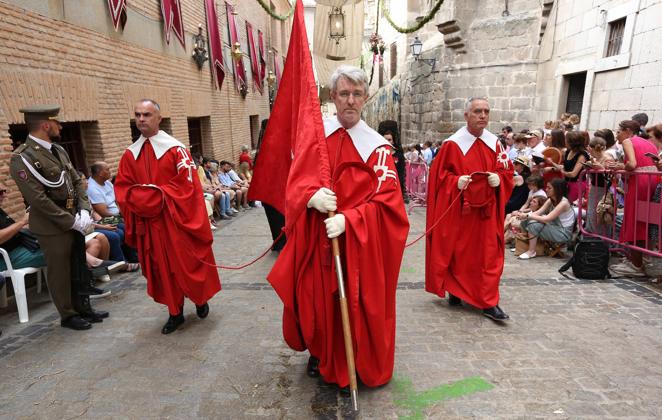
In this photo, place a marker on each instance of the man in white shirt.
(427, 152)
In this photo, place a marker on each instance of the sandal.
(131, 267)
(526, 255)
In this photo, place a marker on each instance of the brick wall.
(97, 74)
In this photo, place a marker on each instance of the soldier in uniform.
(59, 214)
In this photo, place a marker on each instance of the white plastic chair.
(18, 282)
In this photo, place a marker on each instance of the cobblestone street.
(573, 349)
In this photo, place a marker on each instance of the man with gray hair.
(371, 225)
(470, 182)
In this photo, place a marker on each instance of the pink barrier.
(416, 184)
(641, 216)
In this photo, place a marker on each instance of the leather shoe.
(454, 300)
(496, 313)
(313, 369)
(202, 310)
(76, 322)
(95, 316)
(174, 321)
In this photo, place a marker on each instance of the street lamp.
(199, 51)
(236, 52)
(271, 82)
(417, 49)
(337, 24)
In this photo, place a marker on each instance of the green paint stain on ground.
(416, 402)
(407, 270)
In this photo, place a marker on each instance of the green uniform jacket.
(48, 212)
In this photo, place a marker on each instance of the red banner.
(116, 7)
(263, 61)
(172, 20)
(239, 71)
(255, 65)
(215, 44)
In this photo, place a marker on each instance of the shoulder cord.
(40, 178)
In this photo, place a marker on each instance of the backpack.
(590, 260)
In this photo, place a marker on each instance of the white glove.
(324, 200)
(335, 226)
(463, 181)
(493, 179)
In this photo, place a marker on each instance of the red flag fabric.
(293, 157)
(116, 7)
(172, 20)
(239, 70)
(277, 69)
(215, 43)
(263, 62)
(255, 66)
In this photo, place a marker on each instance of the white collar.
(43, 143)
(364, 138)
(161, 143)
(464, 139)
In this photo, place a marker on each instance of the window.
(254, 121)
(394, 59)
(195, 136)
(615, 40)
(576, 83)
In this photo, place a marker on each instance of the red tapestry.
(263, 61)
(215, 44)
(239, 70)
(255, 65)
(116, 7)
(172, 20)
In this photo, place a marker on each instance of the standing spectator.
(427, 152)
(158, 190)
(553, 222)
(59, 214)
(642, 119)
(245, 171)
(453, 262)
(535, 142)
(389, 130)
(639, 188)
(575, 156)
(599, 160)
(614, 149)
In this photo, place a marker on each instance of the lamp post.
(237, 54)
(271, 82)
(337, 24)
(199, 51)
(417, 49)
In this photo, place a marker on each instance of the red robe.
(464, 254)
(371, 248)
(168, 225)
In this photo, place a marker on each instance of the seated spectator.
(232, 183)
(226, 194)
(639, 188)
(106, 214)
(21, 246)
(553, 222)
(245, 171)
(512, 227)
(520, 190)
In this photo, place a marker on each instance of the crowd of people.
(561, 171)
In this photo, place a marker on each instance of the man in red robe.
(372, 227)
(159, 193)
(471, 180)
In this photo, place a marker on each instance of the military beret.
(40, 112)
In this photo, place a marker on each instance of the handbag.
(111, 220)
(604, 210)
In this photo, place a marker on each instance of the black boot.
(174, 321)
(454, 300)
(496, 313)
(202, 310)
(313, 370)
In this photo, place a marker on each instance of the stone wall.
(67, 52)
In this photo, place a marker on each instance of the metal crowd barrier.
(646, 210)
(416, 184)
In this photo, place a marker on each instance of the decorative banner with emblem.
(215, 44)
(172, 20)
(255, 65)
(239, 71)
(116, 8)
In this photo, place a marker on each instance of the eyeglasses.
(3, 192)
